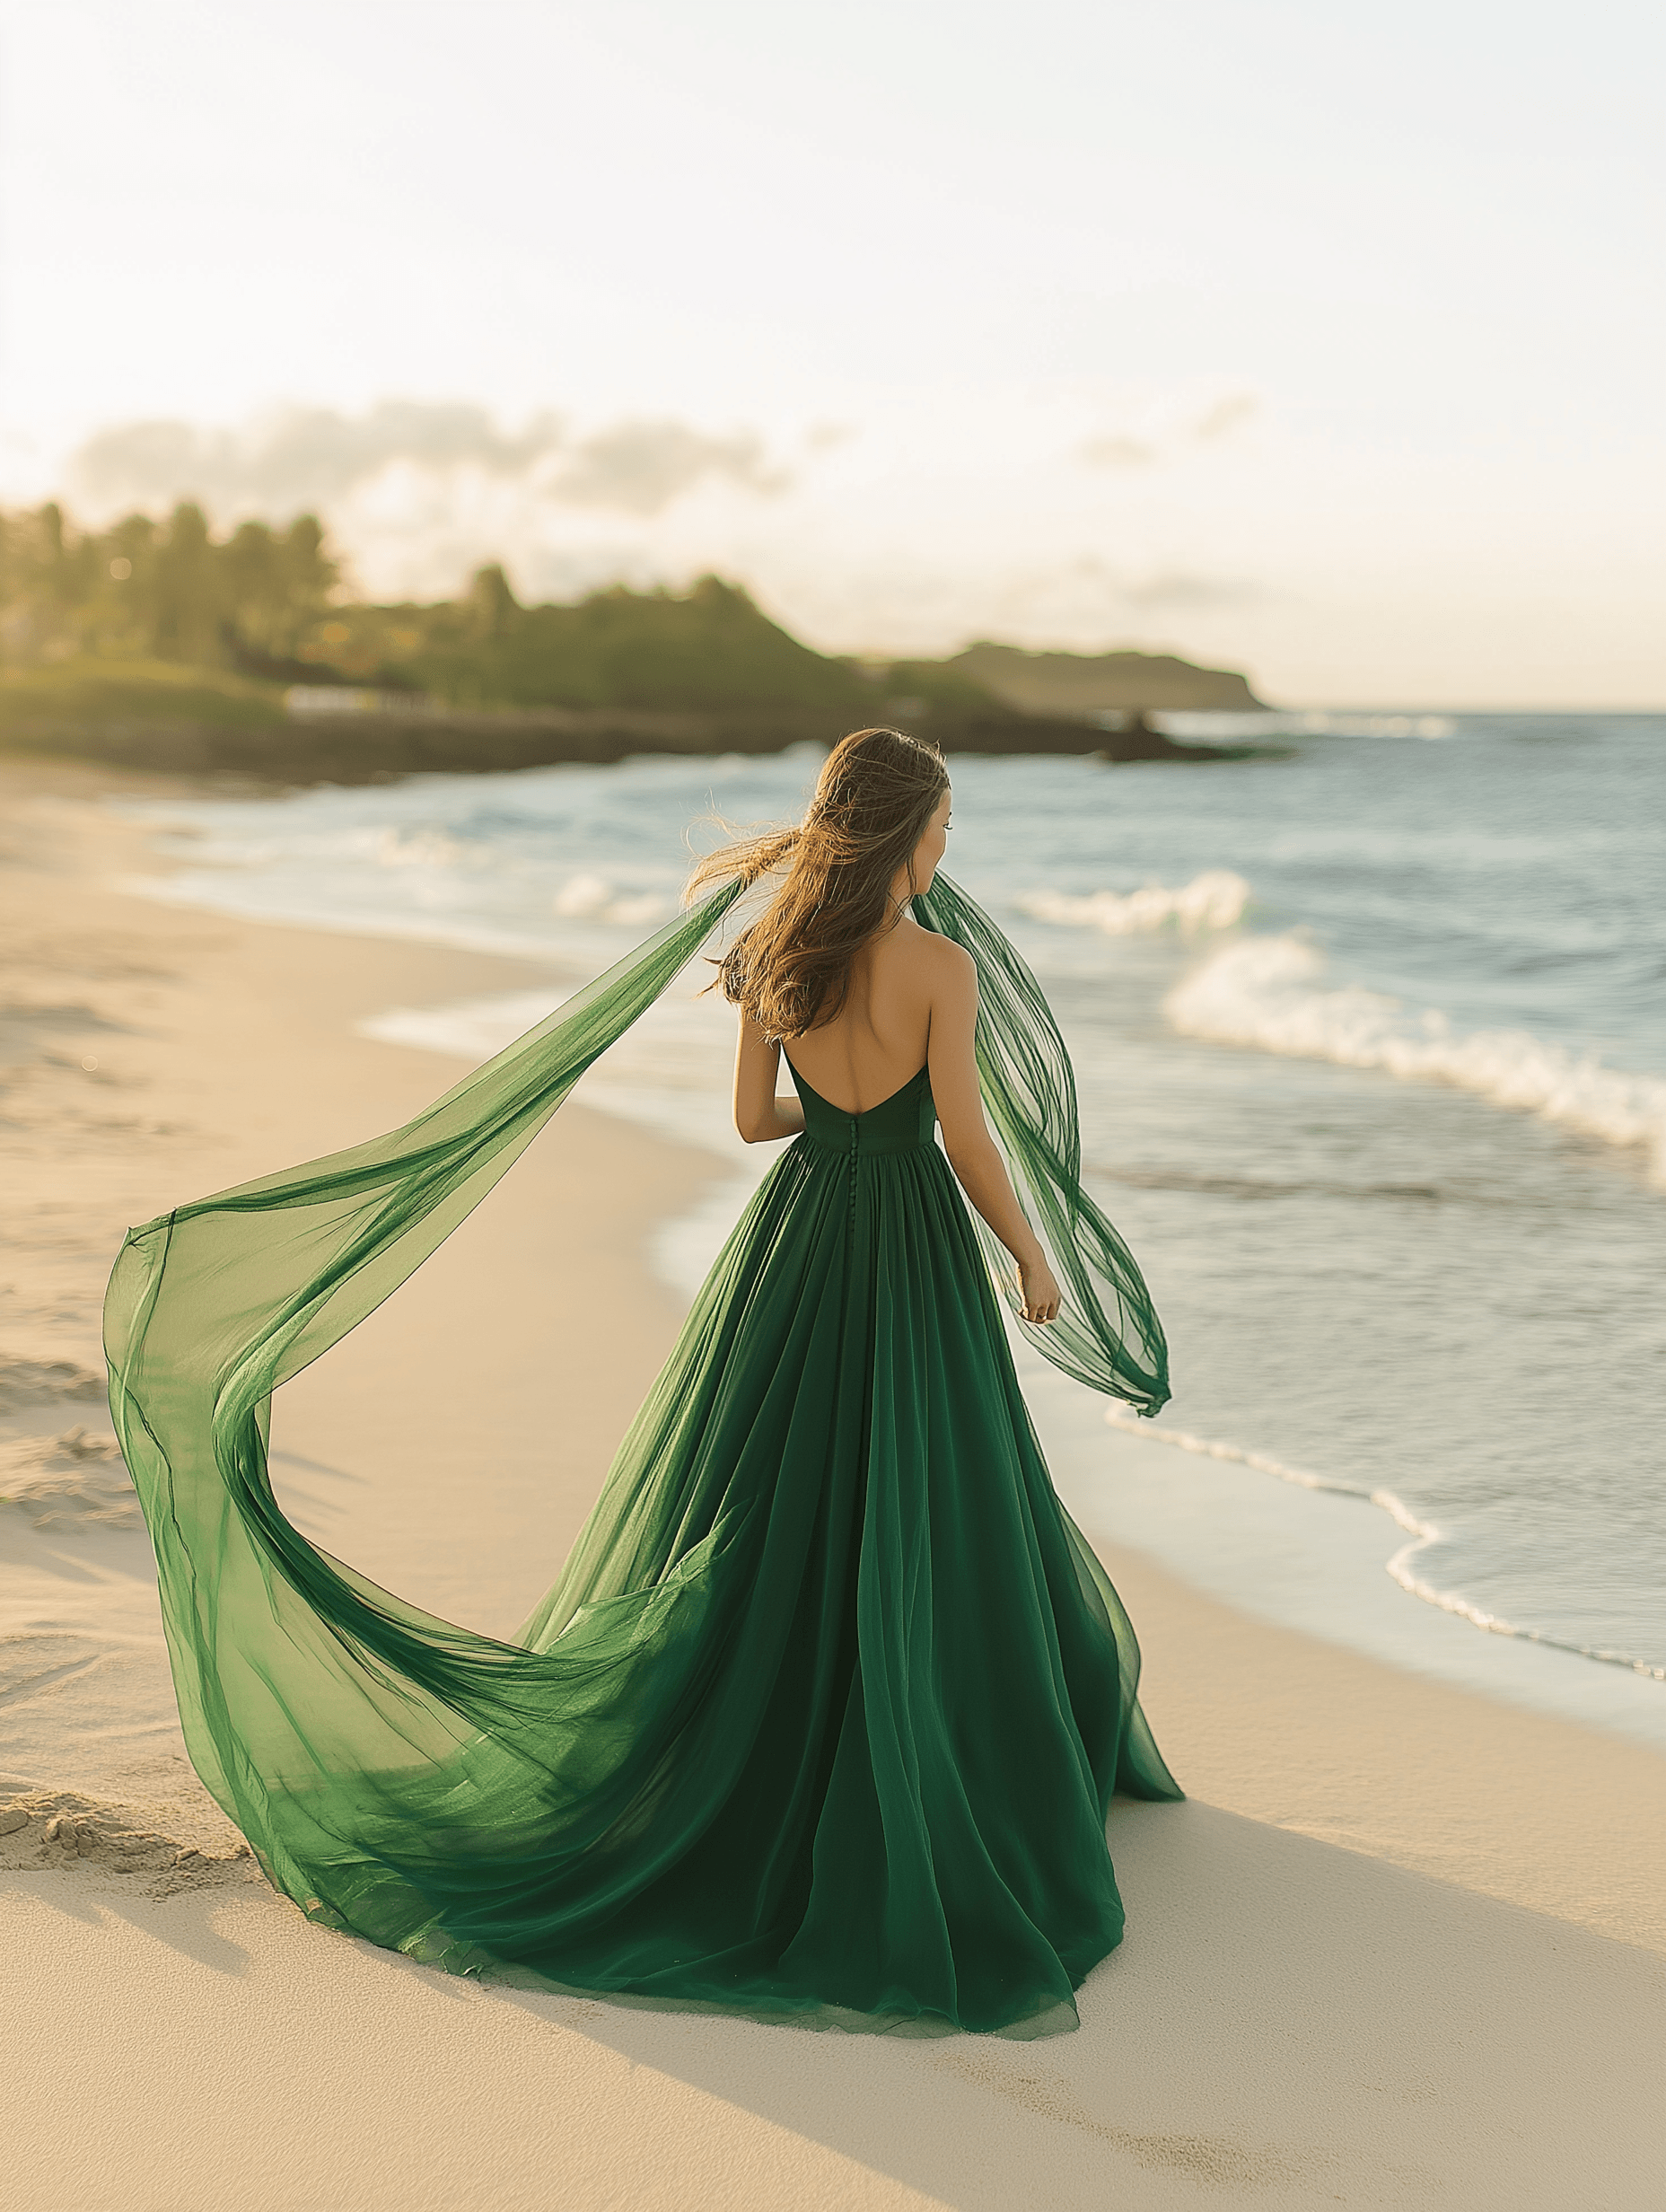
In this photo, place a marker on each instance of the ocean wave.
(1268, 992)
(1322, 724)
(596, 898)
(411, 845)
(473, 1031)
(1400, 1566)
(1212, 900)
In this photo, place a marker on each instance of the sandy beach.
(1402, 1947)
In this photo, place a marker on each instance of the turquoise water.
(1372, 1046)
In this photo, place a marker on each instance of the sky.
(1320, 341)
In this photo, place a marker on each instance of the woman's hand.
(1039, 1290)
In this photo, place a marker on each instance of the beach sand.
(1403, 1945)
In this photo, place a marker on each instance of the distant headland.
(161, 646)
(1082, 683)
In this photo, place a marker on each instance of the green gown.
(823, 1719)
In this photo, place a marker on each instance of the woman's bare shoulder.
(937, 962)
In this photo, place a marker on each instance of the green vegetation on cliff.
(711, 649)
(41, 704)
(265, 605)
(132, 638)
(145, 592)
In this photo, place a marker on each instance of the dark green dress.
(823, 1717)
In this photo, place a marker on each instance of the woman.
(840, 965)
(823, 1717)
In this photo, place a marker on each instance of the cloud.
(299, 457)
(1191, 594)
(1165, 430)
(313, 457)
(1118, 452)
(641, 467)
(1228, 413)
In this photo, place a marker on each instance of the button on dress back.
(902, 1122)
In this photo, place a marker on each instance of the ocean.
(1370, 1043)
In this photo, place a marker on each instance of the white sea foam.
(1321, 724)
(1269, 992)
(472, 1032)
(1212, 900)
(1400, 1566)
(669, 1072)
(396, 846)
(1205, 1447)
(595, 899)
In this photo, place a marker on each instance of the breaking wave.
(1268, 992)
(596, 898)
(1212, 900)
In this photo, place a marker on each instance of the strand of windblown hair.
(1106, 1334)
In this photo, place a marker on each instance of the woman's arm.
(972, 1151)
(759, 1115)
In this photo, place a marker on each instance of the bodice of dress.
(902, 1122)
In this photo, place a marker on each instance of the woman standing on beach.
(823, 1719)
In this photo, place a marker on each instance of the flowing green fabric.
(823, 1719)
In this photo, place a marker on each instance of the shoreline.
(586, 858)
(1222, 1518)
(353, 746)
(1292, 1552)
(1401, 1946)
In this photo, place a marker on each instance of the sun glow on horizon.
(1271, 340)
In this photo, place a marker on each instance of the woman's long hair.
(790, 970)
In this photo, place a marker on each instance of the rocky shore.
(356, 745)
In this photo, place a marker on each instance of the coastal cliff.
(1082, 683)
(159, 646)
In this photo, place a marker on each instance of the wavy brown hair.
(791, 968)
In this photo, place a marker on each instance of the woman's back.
(879, 1038)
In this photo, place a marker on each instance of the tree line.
(163, 590)
(267, 602)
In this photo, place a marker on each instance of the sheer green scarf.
(212, 1306)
